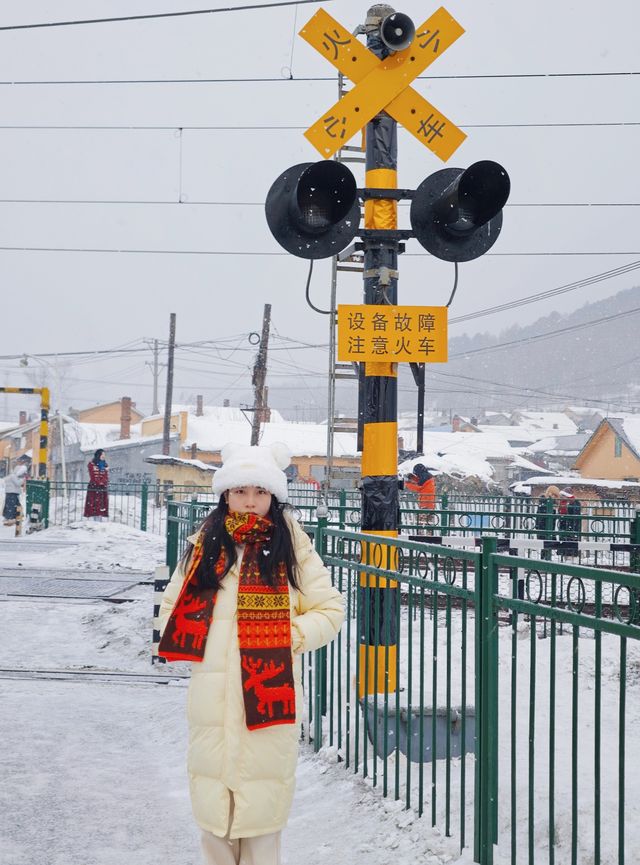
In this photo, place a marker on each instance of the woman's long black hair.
(216, 538)
(96, 456)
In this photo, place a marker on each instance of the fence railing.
(144, 506)
(509, 727)
(139, 505)
(597, 541)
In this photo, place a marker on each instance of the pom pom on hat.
(255, 466)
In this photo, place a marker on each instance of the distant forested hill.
(600, 362)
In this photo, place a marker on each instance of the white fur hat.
(256, 466)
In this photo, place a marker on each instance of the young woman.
(248, 597)
(96, 504)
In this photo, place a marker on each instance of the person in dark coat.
(97, 502)
(574, 511)
(546, 515)
(13, 486)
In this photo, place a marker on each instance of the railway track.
(107, 677)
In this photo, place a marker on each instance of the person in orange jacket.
(422, 482)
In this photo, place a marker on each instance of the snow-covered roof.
(631, 427)
(213, 414)
(7, 425)
(569, 445)
(548, 420)
(571, 481)
(159, 459)
(91, 436)
(510, 433)
(584, 410)
(527, 464)
(303, 439)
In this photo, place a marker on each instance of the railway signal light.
(456, 213)
(313, 210)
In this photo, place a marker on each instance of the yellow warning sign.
(409, 334)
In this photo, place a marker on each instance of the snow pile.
(92, 545)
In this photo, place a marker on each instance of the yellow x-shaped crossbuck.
(383, 84)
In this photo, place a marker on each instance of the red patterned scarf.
(264, 629)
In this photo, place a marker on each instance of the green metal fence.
(139, 505)
(38, 493)
(509, 728)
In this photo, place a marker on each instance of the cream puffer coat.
(257, 766)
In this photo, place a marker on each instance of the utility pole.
(156, 373)
(166, 430)
(259, 376)
(418, 371)
(155, 367)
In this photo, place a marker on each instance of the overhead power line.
(157, 15)
(133, 348)
(306, 79)
(240, 253)
(298, 128)
(544, 295)
(202, 203)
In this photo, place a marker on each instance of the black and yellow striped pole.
(379, 597)
(45, 404)
(456, 214)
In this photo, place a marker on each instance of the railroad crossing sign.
(406, 334)
(383, 84)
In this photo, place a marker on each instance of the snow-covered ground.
(94, 772)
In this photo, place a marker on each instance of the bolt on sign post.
(312, 210)
(45, 405)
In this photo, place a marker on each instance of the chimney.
(199, 411)
(194, 451)
(455, 423)
(226, 403)
(125, 417)
(400, 443)
(22, 419)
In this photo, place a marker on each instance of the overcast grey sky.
(565, 141)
